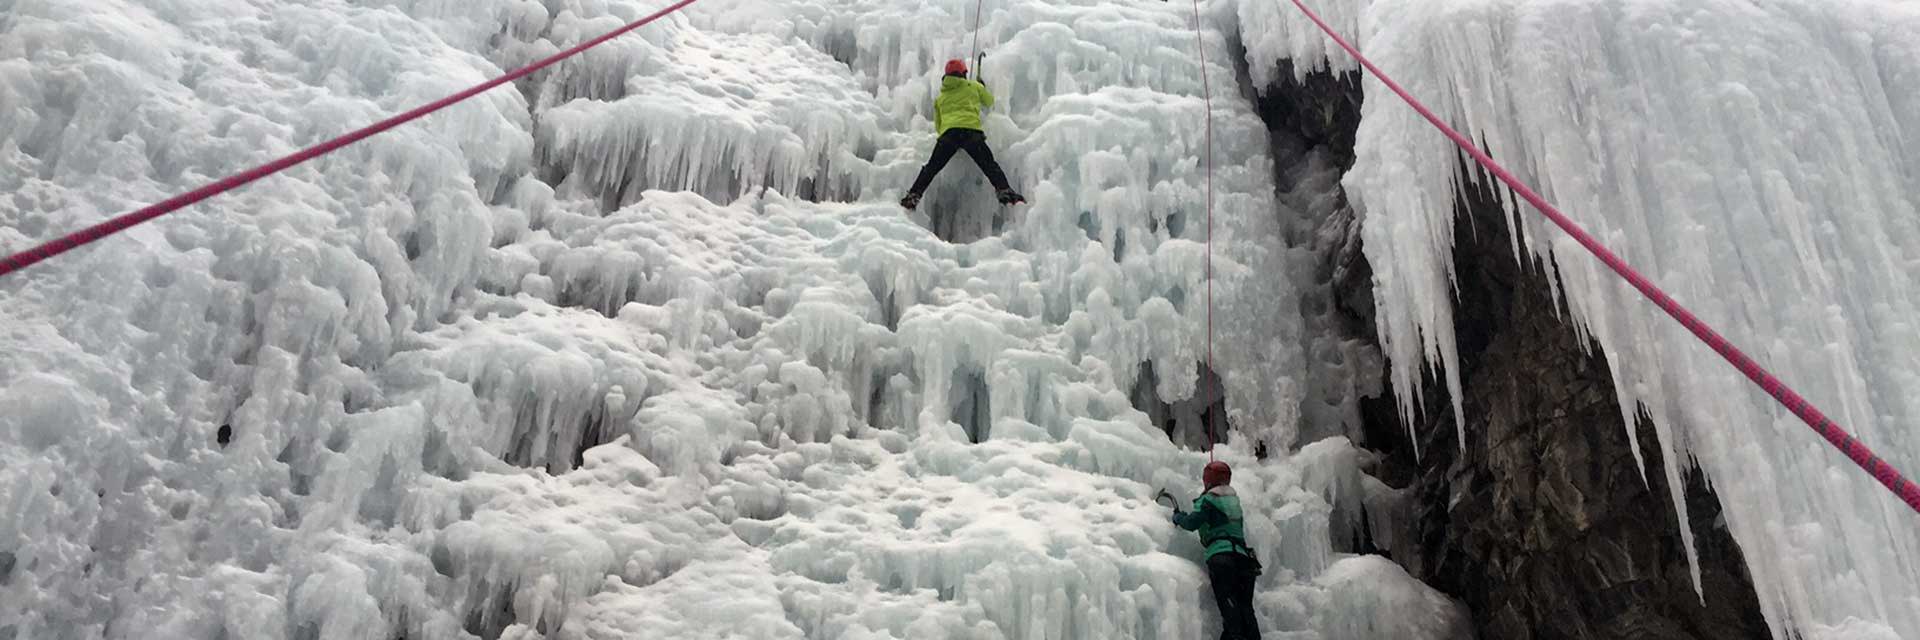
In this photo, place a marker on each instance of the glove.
(1177, 515)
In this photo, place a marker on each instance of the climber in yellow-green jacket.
(956, 117)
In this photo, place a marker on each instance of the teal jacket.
(959, 104)
(1216, 516)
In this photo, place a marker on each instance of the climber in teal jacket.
(1230, 562)
(956, 118)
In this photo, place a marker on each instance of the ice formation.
(638, 349)
(1758, 160)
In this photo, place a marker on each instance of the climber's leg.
(975, 144)
(943, 150)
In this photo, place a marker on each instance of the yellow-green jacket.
(959, 104)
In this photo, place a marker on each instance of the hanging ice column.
(1751, 160)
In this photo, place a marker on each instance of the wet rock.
(1543, 523)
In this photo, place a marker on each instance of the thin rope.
(1206, 98)
(1819, 422)
(974, 55)
(120, 223)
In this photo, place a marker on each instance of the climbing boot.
(912, 200)
(1007, 196)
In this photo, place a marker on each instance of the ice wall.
(1083, 86)
(717, 115)
(642, 348)
(1757, 160)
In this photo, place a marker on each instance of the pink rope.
(120, 223)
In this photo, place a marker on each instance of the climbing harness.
(120, 223)
(1239, 546)
(1821, 424)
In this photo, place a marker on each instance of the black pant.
(974, 142)
(1232, 576)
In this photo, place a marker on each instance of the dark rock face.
(1543, 523)
(1323, 109)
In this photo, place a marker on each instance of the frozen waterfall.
(640, 348)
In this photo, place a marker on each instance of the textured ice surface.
(1758, 160)
(638, 350)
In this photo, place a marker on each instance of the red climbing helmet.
(1217, 473)
(956, 66)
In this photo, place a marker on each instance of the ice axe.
(1168, 497)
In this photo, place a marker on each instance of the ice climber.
(956, 118)
(1230, 562)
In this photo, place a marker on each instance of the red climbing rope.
(88, 235)
(1821, 424)
(1206, 98)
